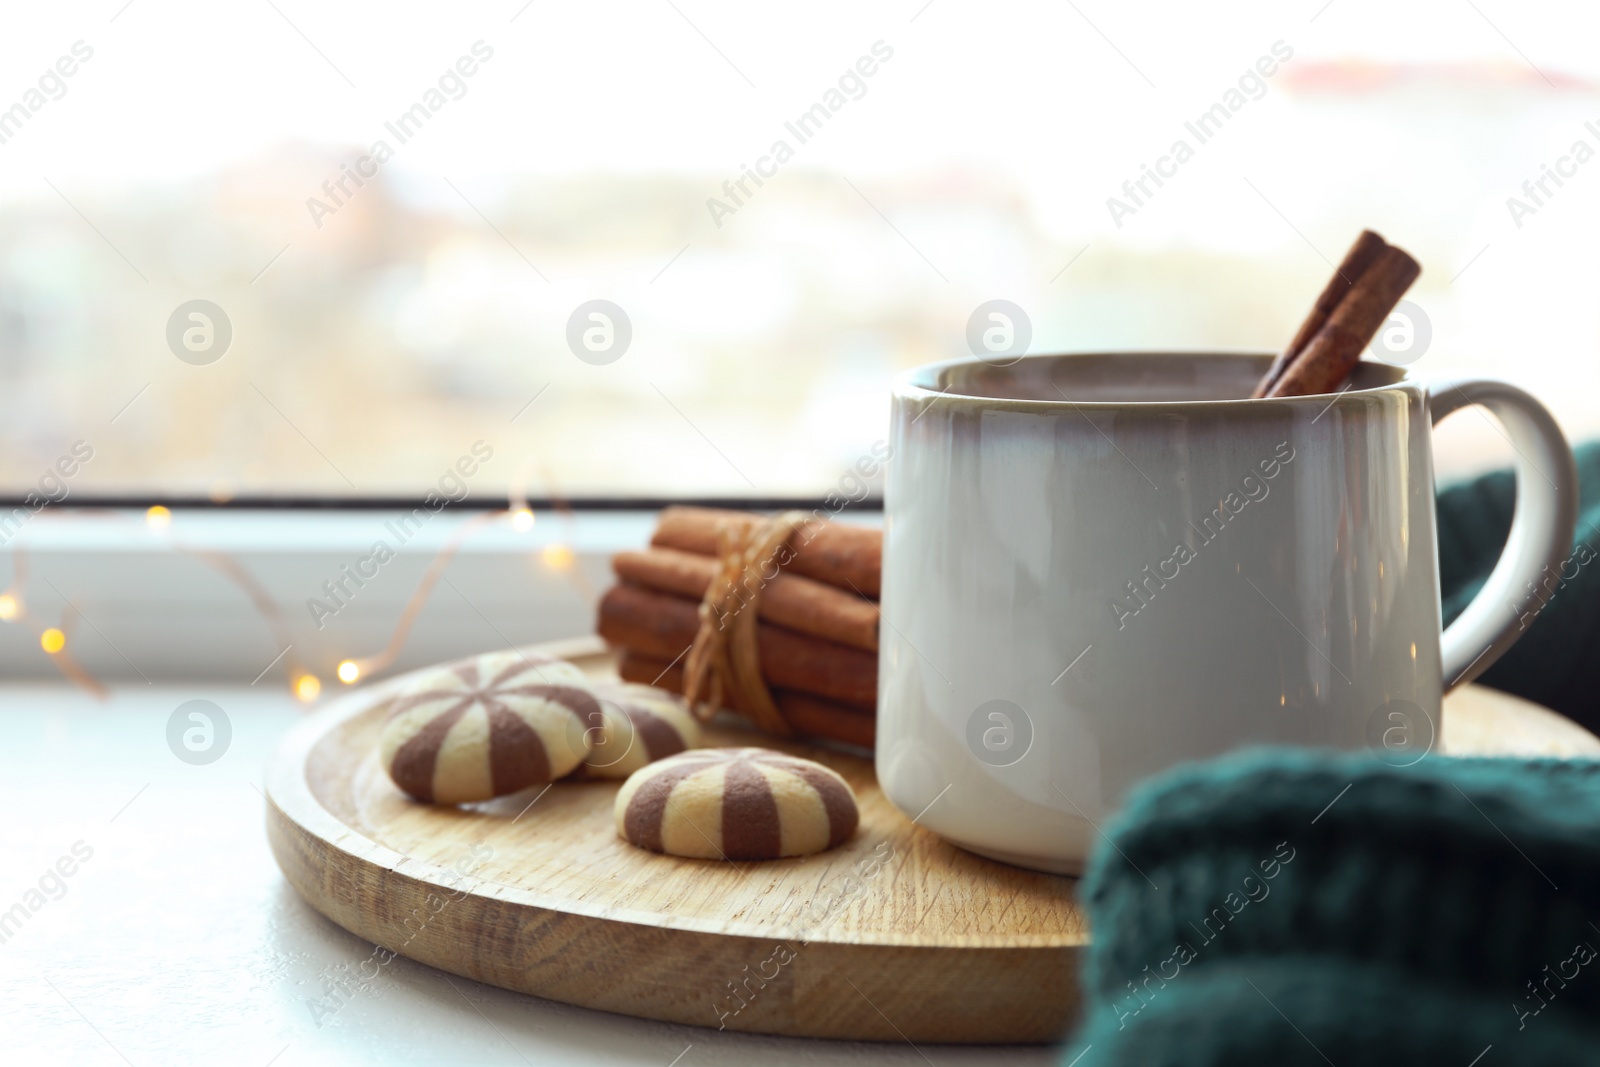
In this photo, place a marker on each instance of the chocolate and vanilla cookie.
(486, 726)
(636, 725)
(736, 804)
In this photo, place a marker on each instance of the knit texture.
(1291, 907)
(1557, 662)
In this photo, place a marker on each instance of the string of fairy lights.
(303, 682)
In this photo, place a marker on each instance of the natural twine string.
(724, 663)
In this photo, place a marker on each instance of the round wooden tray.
(894, 936)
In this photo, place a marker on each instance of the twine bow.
(724, 663)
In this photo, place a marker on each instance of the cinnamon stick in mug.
(1352, 307)
(1356, 261)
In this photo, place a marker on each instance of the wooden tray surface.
(894, 936)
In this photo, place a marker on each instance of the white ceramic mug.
(1098, 566)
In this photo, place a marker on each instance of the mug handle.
(1541, 526)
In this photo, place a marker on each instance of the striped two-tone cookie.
(636, 725)
(737, 804)
(487, 726)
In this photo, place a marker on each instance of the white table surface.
(178, 940)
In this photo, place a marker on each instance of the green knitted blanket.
(1287, 907)
(1290, 907)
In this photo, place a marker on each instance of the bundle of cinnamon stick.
(817, 628)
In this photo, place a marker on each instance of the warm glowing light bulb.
(158, 517)
(307, 687)
(52, 640)
(558, 557)
(349, 671)
(522, 520)
(9, 607)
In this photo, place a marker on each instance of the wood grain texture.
(1479, 721)
(894, 936)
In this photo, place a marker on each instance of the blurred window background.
(398, 209)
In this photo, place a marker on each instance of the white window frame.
(149, 612)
